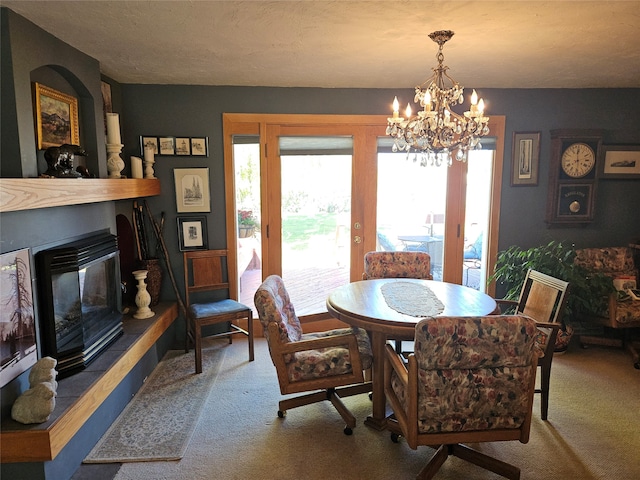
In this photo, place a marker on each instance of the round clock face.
(578, 160)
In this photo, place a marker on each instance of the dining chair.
(205, 272)
(469, 380)
(328, 364)
(405, 264)
(542, 298)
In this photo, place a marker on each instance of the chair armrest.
(555, 326)
(395, 362)
(339, 340)
(505, 303)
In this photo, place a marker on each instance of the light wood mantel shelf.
(30, 193)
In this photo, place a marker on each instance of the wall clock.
(573, 176)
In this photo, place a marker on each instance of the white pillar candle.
(113, 129)
(148, 154)
(136, 167)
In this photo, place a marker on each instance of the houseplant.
(247, 223)
(587, 291)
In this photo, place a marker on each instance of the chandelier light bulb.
(396, 107)
(408, 111)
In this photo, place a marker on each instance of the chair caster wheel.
(370, 396)
(395, 438)
(636, 365)
(281, 414)
(347, 431)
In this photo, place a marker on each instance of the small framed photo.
(200, 146)
(149, 142)
(167, 146)
(192, 190)
(525, 159)
(56, 117)
(621, 161)
(192, 233)
(183, 146)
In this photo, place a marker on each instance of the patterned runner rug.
(158, 422)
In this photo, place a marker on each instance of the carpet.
(591, 433)
(160, 419)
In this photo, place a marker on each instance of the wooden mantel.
(31, 193)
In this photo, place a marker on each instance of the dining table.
(390, 308)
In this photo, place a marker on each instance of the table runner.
(411, 299)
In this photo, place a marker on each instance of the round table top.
(362, 304)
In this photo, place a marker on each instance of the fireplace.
(80, 300)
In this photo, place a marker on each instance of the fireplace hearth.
(80, 300)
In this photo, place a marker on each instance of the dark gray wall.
(197, 110)
(29, 54)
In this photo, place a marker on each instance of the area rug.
(158, 422)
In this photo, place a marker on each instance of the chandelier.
(437, 131)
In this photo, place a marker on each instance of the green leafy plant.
(588, 291)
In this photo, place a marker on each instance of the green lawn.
(298, 229)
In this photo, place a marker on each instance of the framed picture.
(200, 146)
(167, 146)
(17, 319)
(176, 146)
(192, 190)
(149, 142)
(192, 233)
(525, 158)
(183, 146)
(56, 117)
(621, 161)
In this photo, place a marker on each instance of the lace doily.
(412, 299)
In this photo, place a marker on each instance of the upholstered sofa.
(620, 314)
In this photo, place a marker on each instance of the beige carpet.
(593, 430)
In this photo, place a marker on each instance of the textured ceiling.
(361, 44)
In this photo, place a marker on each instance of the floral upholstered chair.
(621, 313)
(469, 380)
(330, 364)
(397, 265)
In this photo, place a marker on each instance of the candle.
(136, 167)
(396, 106)
(113, 129)
(148, 154)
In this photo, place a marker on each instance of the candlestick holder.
(148, 168)
(115, 164)
(143, 299)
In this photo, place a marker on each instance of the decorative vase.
(245, 232)
(143, 299)
(154, 278)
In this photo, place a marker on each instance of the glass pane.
(246, 159)
(474, 269)
(316, 218)
(411, 206)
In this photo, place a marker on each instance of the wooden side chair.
(205, 271)
(469, 380)
(330, 364)
(542, 298)
(405, 264)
